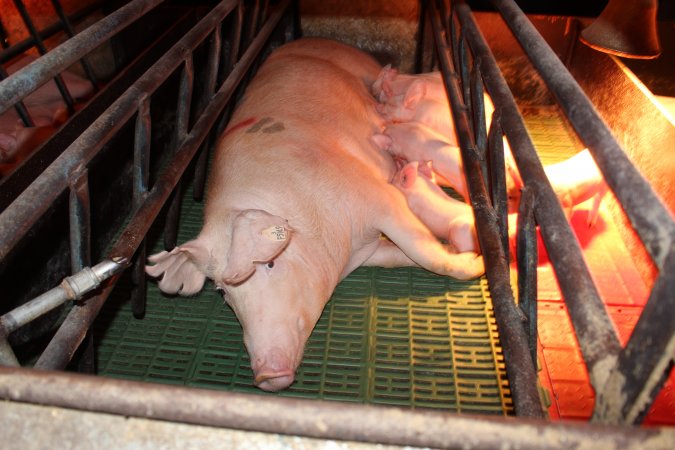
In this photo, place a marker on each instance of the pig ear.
(415, 93)
(180, 268)
(381, 141)
(377, 85)
(257, 237)
(409, 174)
(426, 169)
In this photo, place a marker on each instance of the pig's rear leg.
(419, 245)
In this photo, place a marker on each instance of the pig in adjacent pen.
(47, 110)
(299, 197)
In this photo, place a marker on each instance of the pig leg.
(387, 254)
(416, 241)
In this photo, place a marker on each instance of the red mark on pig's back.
(236, 126)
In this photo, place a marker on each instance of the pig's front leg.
(387, 254)
(416, 241)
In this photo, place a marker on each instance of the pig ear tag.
(275, 233)
(257, 237)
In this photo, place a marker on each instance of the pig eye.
(221, 291)
(270, 264)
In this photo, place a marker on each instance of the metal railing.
(625, 380)
(226, 68)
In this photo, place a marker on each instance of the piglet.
(576, 180)
(445, 217)
(391, 85)
(414, 141)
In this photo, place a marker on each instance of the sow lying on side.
(299, 197)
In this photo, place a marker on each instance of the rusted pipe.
(315, 418)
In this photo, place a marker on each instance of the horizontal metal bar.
(37, 198)
(648, 215)
(25, 80)
(314, 418)
(519, 365)
(72, 331)
(595, 332)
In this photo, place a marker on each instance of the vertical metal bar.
(421, 37)
(89, 72)
(60, 84)
(182, 122)
(478, 117)
(527, 266)
(646, 360)
(519, 366)
(173, 217)
(21, 109)
(214, 59)
(80, 230)
(140, 189)
(80, 250)
(498, 180)
(7, 356)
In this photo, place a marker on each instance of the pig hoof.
(274, 381)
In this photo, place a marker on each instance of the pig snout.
(274, 372)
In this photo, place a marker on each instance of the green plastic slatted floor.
(402, 337)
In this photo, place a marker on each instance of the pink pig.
(414, 141)
(299, 197)
(390, 85)
(576, 180)
(446, 217)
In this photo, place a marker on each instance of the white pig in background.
(47, 109)
(299, 197)
(446, 217)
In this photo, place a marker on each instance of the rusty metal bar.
(597, 338)
(71, 333)
(35, 74)
(314, 418)
(498, 180)
(80, 229)
(182, 123)
(215, 50)
(527, 266)
(142, 136)
(477, 108)
(519, 366)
